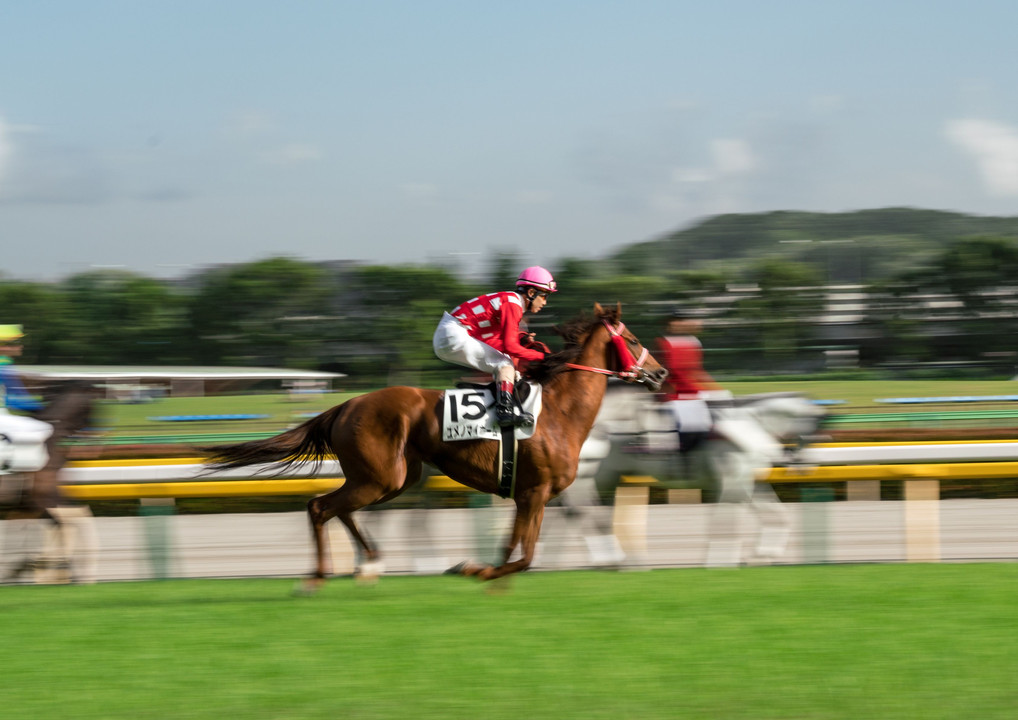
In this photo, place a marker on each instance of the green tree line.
(375, 322)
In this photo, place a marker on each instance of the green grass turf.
(879, 641)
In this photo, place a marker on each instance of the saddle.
(650, 432)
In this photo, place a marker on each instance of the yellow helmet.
(10, 332)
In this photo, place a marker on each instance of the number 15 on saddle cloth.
(469, 414)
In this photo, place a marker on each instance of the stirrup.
(523, 419)
(506, 417)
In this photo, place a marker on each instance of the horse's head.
(604, 345)
(624, 354)
(788, 416)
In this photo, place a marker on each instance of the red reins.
(632, 365)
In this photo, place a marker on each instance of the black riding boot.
(505, 408)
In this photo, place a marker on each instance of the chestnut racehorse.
(382, 439)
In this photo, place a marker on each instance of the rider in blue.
(12, 392)
(22, 438)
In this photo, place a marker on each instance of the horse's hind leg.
(355, 494)
(369, 562)
(339, 503)
(370, 565)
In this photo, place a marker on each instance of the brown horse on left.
(383, 438)
(70, 409)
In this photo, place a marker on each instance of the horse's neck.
(67, 415)
(578, 393)
(60, 432)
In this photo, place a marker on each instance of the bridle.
(633, 367)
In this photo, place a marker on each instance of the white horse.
(635, 435)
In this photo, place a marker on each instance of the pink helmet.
(537, 277)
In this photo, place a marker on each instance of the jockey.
(12, 393)
(22, 439)
(688, 384)
(484, 334)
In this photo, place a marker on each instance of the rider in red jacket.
(484, 334)
(681, 353)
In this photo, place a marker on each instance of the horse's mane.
(573, 333)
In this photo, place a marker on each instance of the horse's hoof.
(308, 588)
(369, 572)
(605, 552)
(467, 569)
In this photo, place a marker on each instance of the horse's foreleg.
(526, 529)
(774, 524)
(82, 542)
(53, 564)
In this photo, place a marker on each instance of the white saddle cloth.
(469, 414)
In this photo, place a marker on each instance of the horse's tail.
(308, 442)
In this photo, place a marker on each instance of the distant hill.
(866, 245)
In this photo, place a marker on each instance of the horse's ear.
(598, 310)
(618, 310)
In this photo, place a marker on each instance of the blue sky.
(164, 136)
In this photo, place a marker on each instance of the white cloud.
(257, 133)
(994, 146)
(732, 157)
(691, 175)
(419, 192)
(826, 104)
(6, 151)
(714, 188)
(249, 124)
(34, 169)
(534, 197)
(293, 154)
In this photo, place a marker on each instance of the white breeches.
(22, 443)
(691, 415)
(452, 343)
